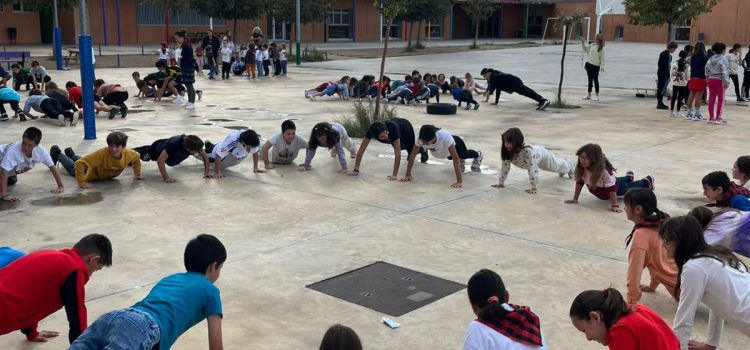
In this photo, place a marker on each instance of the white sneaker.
(74, 121)
(178, 100)
(190, 106)
(477, 162)
(674, 114)
(596, 98)
(587, 98)
(61, 120)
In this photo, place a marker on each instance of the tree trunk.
(670, 33)
(562, 65)
(234, 25)
(476, 34)
(382, 68)
(419, 34)
(411, 30)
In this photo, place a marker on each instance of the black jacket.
(665, 63)
(214, 42)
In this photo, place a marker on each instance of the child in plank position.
(711, 275)
(20, 157)
(75, 94)
(724, 193)
(442, 144)
(233, 150)
(175, 304)
(596, 172)
(605, 317)
(741, 171)
(647, 251)
(284, 147)
(104, 164)
(334, 137)
(499, 325)
(727, 227)
(11, 97)
(530, 157)
(49, 107)
(461, 94)
(173, 151)
(38, 284)
(397, 132)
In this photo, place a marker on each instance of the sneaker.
(123, 111)
(22, 116)
(720, 122)
(178, 100)
(190, 106)
(200, 94)
(689, 116)
(543, 105)
(113, 112)
(596, 98)
(698, 117)
(650, 180)
(476, 106)
(662, 106)
(674, 114)
(4, 118)
(679, 115)
(74, 121)
(586, 98)
(468, 106)
(61, 120)
(307, 95)
(462, 162)
(54, 153)
(32, 117)
(477, 162)
(69, 152)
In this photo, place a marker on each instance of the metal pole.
(104, 22)
(56, 34)
(298, 56)
(211, 23)
(119, 31)
(87, 74)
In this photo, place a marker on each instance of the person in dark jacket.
(662, 74)
(498, 81)
(212, 40)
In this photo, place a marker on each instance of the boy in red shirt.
(37, 285)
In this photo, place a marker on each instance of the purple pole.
(104, 20)
(119, 33)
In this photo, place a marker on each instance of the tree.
(656, 13)
(420, 11)
(390, 9)
(310, 10)
(568, 23)
(42, 5)
(230, 9)
(479, 10)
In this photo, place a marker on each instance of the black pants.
(13, 106)
(592, 72)
(24, 80)
(190, 92)
(746, 85)
(116, 98)
(266, 66)
(463, 152)
(467, 97)
(524, 90)
(661, 85)
(445, 88)
(12, 179)
(64, 102)
(679, 96)
(277, 68)
(52, 108)
(225, 70)
(736, 82)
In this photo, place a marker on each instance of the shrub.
(313, 55)
(364, 114)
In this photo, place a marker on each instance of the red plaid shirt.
(734, 189)
(520, 325)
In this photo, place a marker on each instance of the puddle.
(280, 115)
(220, 120)
(239, 108)
(205, 124)
(8, 205)
(77, 199)
(137, 106)
(483, 169)
(236, 127)
(124, 130)
(131, 111)
(209, 106)
(195, 116)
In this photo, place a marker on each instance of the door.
(46, 25)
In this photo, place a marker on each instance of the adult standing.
(212, 40)
(257, 36)
(662, 74)
(187, 67)
(594, 63)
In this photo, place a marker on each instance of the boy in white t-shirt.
(233, 150)
(20, 157)
(283, 147)
(442, 144)
(226, 60)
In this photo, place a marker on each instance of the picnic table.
(10, 57)
(73, 55)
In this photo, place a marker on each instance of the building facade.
(128, 22)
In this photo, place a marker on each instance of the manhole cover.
(210, 106)
(387, 288)
(236, 127)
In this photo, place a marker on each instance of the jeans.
(592, 72)
(661, 88)
(259, 64)
(284, 66)
(69, 164)
(129, 329)
(625, 183)
(343, 90)
(212, 71)
(13, 106)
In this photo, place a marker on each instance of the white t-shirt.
(439, 149)
(164, 54)
(606, 180)
(282, 55)
(231, 151)
(15, 162)
(283, 153)
(265, 54)
(226, 54)
(481, 337)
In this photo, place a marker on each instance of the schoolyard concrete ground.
(286, 229)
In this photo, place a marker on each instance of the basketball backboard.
(618, 8)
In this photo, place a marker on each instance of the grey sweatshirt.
(718, 68)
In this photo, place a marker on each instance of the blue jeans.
(740, 202)
(259, 65)
(283, 67)
(212, 71)
(126, 329)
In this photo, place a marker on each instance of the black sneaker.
(54, 152)
(123, 111)
(476, 106)
(662, 107)
(4, 118)
(69, 152)
(22, 116)
(468, 106)
(113, 112)
(543, 105)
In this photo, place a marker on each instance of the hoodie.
(718, 68)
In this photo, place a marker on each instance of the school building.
(128, 22)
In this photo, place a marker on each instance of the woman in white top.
(594, 63)
(727, 227)
(709, 274)
(530, 157)
(442, 144)
(735, 57)
(499, 325)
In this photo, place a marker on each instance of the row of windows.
(340, 26)
(150, 14)
(17, 7)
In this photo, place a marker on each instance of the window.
(435, 28)
(18, 7)
(278, 30)
(395, 30)
(339, 24)
(150, 14)
(682, 33)
(619, 33)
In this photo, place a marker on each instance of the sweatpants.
(592, 71)
(736, 82)
(52, 108)
(225, 70)
(13, 106)
(116, 98)
(661, 88)
(716, 94)
(462, 151)
(549, 162)
(679, 96)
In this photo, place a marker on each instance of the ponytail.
(646, 199)
(609, 303)
(487, 293)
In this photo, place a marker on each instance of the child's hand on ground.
(269, 167)
(616, 209)
(392, 177)
(138, 178)
(457, 185)
(647, 289)
(44, 335)
(531, 191)
(86, 186)
(169, 180)
(406, 178)
(696, 345)
(571, 201)
(58, 190)
(304, 167)
(498, 185)
(259, 171)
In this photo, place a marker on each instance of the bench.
(195, 37)
(11, 57)
(73, 55)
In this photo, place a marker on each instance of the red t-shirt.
(37, 285)
(642, 329)
(75, 94)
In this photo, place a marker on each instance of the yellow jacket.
(102, 166)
